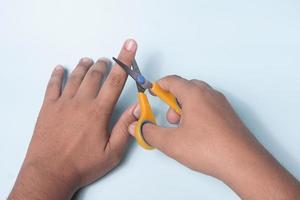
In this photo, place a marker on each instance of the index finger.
(177, 85)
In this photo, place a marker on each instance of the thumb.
(119, 136)
(156, 136)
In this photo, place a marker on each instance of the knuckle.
(56, 74)
(123, 127)
(82, 68)
(197, 82)
(200, 87)
(75, 104)
(102, 62)
(169, 79)
(100, 109)
(115, 80)
(205, 84)
(55, 78)
(96, 74)
(52, 83)
(220, 94)
(75, 78)
(60, 106)
(173, 76)
(200, 83)
(195, 89)
(93, 112)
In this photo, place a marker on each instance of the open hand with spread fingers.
(71, 145)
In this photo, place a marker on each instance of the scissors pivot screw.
(140, 79)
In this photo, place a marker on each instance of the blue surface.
(250, 50)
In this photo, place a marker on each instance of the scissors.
(147, 115)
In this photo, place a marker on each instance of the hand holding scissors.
(147, 115)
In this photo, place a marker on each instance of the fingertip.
(152, 93)
(137, 111)
(131, 128)
(178, 86)
(58, 71)
(172, 116)
(133, 109)
(58, 67)
(86, 61)
(130, 45)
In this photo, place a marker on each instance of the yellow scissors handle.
(146, 116)
(167, 97)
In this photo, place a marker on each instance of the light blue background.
(250, 50)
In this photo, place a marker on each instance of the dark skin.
(72, 147)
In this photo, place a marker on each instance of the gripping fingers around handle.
(167, 97)
(139, 135)
(146, 116)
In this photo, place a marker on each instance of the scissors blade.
(125, 68)
(135, 67)
(136, 75)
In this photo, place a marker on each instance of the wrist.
(39, 182)
(255, 174)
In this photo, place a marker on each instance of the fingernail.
(131, 128)
(131, 108)
(106, 61)
(130, 45)
(137, 111)
(58, 67)
(86, 60)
